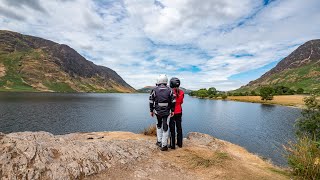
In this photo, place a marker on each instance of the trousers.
(162, 130)
(175, 123)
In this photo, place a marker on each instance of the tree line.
(209, 93)
(276, 90)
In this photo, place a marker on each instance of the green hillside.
(33, 64)
(301, 69)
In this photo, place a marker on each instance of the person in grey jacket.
(162, 104)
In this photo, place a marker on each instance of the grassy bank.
(285, 100)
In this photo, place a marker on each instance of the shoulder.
(153, 90)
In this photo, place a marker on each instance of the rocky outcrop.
(124, 155)
(41, 155)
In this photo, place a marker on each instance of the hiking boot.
(164, 148)
(158, 144)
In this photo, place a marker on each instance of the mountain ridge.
(300, 69)
(39, 62)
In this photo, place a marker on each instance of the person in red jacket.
(175, 121)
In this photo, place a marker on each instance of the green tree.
(300, 91)
(202, 93)
(212, 91)
(224, 96)
(309, 123)
(280, 90)
(291, 92)
(230, 94)
(266, 93)
(253, 93)
(192, 93)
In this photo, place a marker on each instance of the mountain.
(30, 63)
(147, 89)
(301, 69)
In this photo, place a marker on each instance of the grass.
(279, 171)
(150, 131)
(13, 79)
(201, 161)
(301, 77)
(304, 158)
(59, 86)
(286, 100)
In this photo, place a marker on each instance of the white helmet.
(162, 79)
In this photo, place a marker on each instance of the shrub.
(202, 93)
(266, 93)
(230, 94)
(224, 96)
(300, 91)
(315, 91)
(253, 93)
(291, 92)
(309, 123)
(304, 158)
(212, 91)
(150, 131)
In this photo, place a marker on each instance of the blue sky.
(207, 43)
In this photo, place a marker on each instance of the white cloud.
(182, 21)
(143, 38)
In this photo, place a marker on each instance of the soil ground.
(216, 160)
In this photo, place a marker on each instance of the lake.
(261, 129)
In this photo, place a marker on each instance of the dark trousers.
(175, 121)
(162, 122)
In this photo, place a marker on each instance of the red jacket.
(179, 101)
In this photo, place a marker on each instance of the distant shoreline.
(295, 101)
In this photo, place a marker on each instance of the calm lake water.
(261, 129)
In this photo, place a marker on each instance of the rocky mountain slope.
(124, 155)
(30, 63)
(301, 69)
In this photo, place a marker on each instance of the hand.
(152, 114)
(172, 114)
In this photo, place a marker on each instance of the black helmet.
(174, 82)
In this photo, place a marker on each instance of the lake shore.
(283, 100)
(125, 155)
